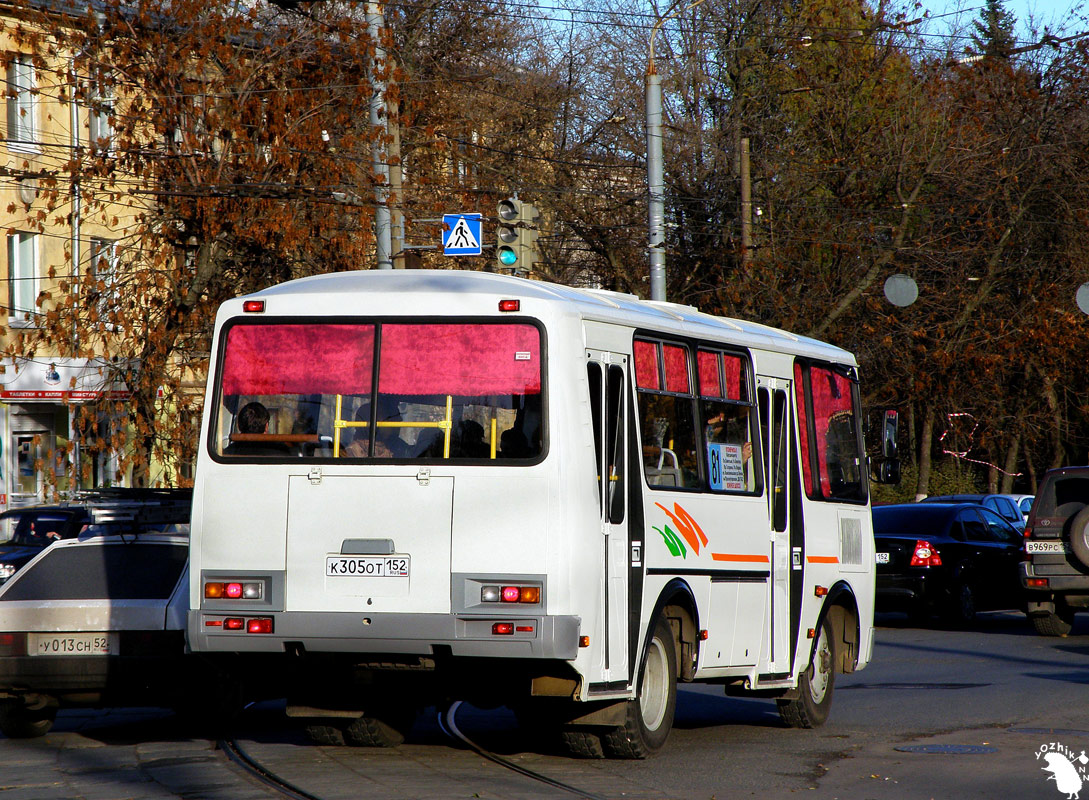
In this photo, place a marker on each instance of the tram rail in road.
(447, 720)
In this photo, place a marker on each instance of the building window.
(21, 104)
(99, 112)
(22, 276)
(104, 275)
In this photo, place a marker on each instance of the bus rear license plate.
(70, 644)
(367, 566)
(882, 558)
(1045, 547)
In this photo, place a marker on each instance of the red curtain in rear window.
(708, 367)
(646, 365)
(466, 359)
(298, 359)
(676, 368)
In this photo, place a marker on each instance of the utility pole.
(746, 204)
(379, 119)
(655, 170)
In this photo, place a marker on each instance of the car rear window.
(1062, 497)
(910, 519)
(108, 572)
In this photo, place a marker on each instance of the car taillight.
(925, 555)
(1028, 531)
(12, 644)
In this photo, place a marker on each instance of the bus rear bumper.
(545, 637)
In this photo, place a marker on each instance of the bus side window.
(667, 420)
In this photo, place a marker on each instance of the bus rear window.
(415, 391)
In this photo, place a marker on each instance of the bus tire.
(383, 729)
(581, 744)
(649, 718)
(815, 686)
(320, 733)
(17, 721)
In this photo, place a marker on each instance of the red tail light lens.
(233, 590)
(259, 625)
(925, 555)
(12, 644)
(1028, 531)
(511, 594)
(234, 624)
(503, 629)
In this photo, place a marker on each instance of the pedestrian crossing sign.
(461, 235)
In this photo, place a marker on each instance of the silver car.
(98, 622)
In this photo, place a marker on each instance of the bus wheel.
(18, 721)
(810, 708)
(650, 716)
(332, 735)
(581, 744)
(385, 728)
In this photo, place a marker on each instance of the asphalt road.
(973, 708)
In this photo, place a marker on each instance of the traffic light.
(515, 235)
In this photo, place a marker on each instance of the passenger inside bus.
(253, 418)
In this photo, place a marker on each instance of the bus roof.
(593, 304)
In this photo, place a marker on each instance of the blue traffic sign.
(461, 235)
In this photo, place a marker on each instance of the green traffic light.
(507, 257)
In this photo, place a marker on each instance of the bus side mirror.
(887, 467)
(888, 433)
(888, 471)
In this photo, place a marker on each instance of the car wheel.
(962, 605)
(649, 718)
(18, 721)
(815, 686)
(1079, 536)
(1054, 623)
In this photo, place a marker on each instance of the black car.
(950, 559)
(25, 531)
(1005, 505)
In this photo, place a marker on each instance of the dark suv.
(1055, 572)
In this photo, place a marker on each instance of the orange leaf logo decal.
(689, 528)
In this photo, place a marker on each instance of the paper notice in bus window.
(726, 471)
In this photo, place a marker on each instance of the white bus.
(422, 486)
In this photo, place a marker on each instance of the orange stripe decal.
(739, 557)
(822, 559)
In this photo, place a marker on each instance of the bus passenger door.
(774, 401)
(607, 375)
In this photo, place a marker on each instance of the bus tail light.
(233, 624)
(925, 555)
(233, 590)
(510, 594)
(503, 629)
(253, 306)
(1036, 583)
(509, 305)
(259, 625)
